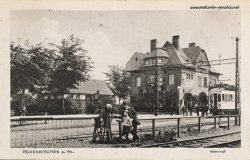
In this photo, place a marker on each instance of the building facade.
(161, 80)
(86, 92)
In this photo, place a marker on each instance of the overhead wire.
(96, 24)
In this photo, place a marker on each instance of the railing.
(50, 131)
(53, 131)
(152, 126)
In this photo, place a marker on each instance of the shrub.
(55, 106)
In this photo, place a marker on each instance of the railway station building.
(162, 77)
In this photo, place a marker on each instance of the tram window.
(226, 99)
(230, 96)
(223, 97)
(211, 98)
(219, 97)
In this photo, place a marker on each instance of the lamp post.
(96, 98)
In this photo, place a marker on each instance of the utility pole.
(237, 81)
(157, 91)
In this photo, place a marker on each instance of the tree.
(28, 70)
(118, 81)
(71, 65)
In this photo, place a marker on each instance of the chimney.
(153, 44)
(191, 44)
(176, 41)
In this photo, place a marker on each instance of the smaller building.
(85, 92)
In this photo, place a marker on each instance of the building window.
(199, 81)
(147, 63)
(159, 61)
(67, 96)
(82, 96)
(75, 96)
(171, 79)
(189, 76)
(205, 81)
(151, 79)
(135, 58)
(138, 81)
(214, 81)
(161, 79)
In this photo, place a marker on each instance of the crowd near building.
(161, 78)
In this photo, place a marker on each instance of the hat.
(108, 106)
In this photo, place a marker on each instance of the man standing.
(197, 109)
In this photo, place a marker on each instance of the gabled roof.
(212, 70)
(176, 56)
(91, 87)
(167, 44)
(192, 52)
(158, 52)
(182, 56)
(132, 64)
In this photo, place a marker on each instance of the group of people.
(129, 122)
(203, 109)
(128, 118)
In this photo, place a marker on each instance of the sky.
(112, 37)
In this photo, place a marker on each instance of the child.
(126, 123)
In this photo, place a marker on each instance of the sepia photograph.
(125, 79)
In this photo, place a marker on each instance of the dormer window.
(159, 61)
(135, 58)
(151, 79)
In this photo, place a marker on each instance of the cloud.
(44, 29)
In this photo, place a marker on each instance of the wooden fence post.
(199, 124)
(178, 127)
(239, 120)
(153, 128)
(235, 121)
(214, 122)
(228, 123)
(120, 130)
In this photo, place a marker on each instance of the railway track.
(204, 142)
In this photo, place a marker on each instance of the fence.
(152, 126)
(51, 131)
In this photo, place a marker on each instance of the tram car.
(222, 102)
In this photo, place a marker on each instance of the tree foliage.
(37, 69)
(118, 81)
(29, 69)
(71, 65)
